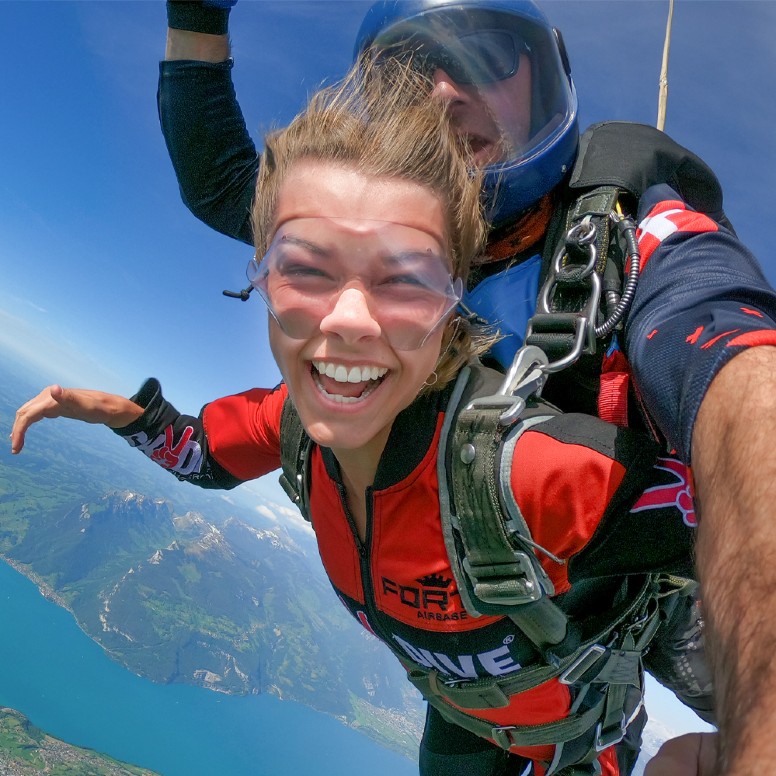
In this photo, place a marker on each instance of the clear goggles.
(480, 56)
(401, 272)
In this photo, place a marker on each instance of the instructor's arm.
(734, 464)
(199, 46)
(211, 150)
(692, 754)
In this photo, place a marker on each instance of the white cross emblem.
(660, 225)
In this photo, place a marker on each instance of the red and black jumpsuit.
(599, 497)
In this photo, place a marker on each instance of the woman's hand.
(77, 403)
(693, 754)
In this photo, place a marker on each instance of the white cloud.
(36, 307)
(286, 516)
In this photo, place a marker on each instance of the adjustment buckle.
(501, 735)
(505, 584)
(606, 738)
(525, 378)
(583, 663)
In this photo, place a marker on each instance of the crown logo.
(434, 580)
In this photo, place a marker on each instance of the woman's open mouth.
(346, 384)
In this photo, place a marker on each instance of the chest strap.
(492, 553)
(598, 658)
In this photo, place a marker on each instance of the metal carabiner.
(524, 378)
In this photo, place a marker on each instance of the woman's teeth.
(345, 375)
(356, 374)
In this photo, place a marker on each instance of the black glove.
(210, 16)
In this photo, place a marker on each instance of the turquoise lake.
(66, 685)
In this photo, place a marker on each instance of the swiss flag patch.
(665, 219)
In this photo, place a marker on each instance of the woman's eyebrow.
(392, 259)
(302, 243)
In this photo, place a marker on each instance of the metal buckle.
(519, 577)
(525, 376)
(605, 739)
(584, 325)
(501, 736)
(581, 235)
(513, 406)
(583, 663)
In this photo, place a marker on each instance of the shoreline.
(43, 587)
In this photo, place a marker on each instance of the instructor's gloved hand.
(208, 16)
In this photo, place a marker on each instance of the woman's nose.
(350, 318)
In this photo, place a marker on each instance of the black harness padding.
(634, 157)
(617, 161)
(295, 447)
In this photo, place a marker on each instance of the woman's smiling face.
(346, 378)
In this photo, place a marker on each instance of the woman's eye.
(404, 279)
(291, 268)
(305, 270)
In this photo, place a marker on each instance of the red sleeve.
(243, 431)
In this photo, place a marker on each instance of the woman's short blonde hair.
(380, 120)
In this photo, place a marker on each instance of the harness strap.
(502, 571)
(508, 736)
(601, 669)
(597, 205)
(295, 447)
(591, 659)
(564, 306)
(615, 382)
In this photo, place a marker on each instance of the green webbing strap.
(507, 736)
(597, 205)
(486, 693)
(588, 661)
(613, 667)
(505, 575)
(605, 716)
(295, 446)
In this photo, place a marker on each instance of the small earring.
(428, 384)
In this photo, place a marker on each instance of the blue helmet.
(480, 44)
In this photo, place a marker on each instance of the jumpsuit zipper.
(372, 613)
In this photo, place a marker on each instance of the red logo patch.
(676, 494)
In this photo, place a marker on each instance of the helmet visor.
(476, 57)
(510, 92)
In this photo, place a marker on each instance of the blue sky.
(107, 278)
